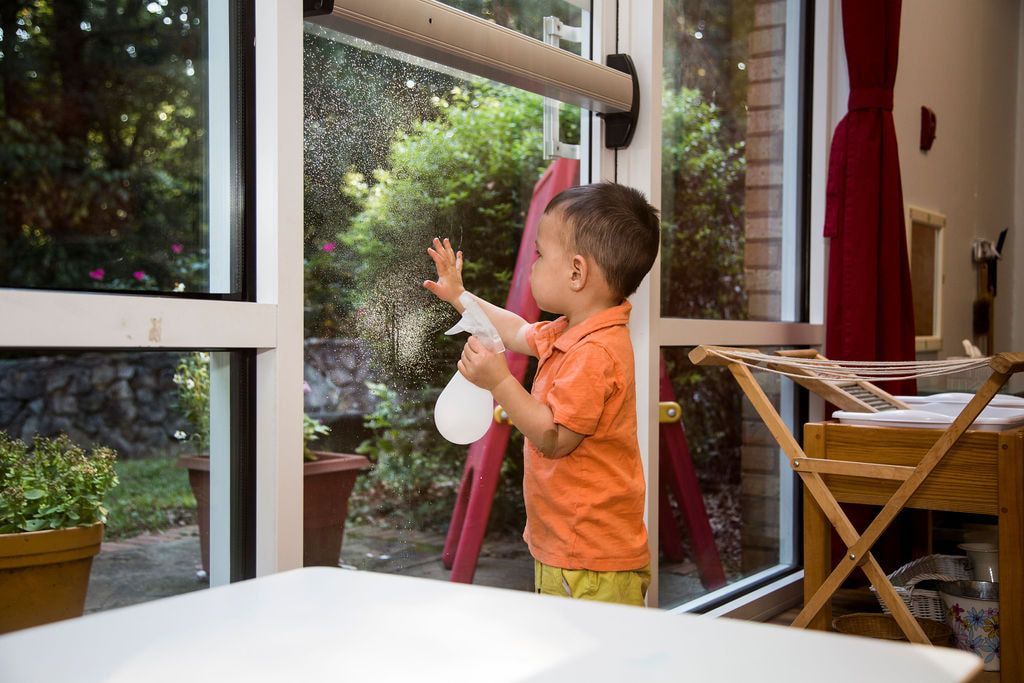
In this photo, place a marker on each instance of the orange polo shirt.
(585, 510)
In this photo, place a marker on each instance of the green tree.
(102, 142)
(702, 211)
(706, 48)
(702, 260)
(467, 173)
(355, 102)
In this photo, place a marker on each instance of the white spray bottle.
(464, 411)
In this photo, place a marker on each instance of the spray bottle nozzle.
(476, 322)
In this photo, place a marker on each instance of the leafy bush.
(349, 96)
(702, 260)
(53, 484)
(192, 377)
(468, 174)
(702, 232)
(415, 474)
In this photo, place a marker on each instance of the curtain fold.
(870, 310)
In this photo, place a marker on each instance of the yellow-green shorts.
(624, 588)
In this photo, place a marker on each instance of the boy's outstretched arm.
(448, 287)
(533, 418)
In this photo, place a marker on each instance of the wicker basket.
(924, 603)
(874, 625)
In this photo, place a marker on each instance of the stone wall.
(763, 271)
(336, 373)
(122, 400)
(128, 400)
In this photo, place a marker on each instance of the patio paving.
(156, 566)
(144, 568)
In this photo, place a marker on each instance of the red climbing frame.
(679, 479)
(483, 464)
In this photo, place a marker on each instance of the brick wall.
(762, 269)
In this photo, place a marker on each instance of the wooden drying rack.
(892, 486)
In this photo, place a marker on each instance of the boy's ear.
(579, 274)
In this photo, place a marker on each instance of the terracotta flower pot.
(327, 485)
(44, 575)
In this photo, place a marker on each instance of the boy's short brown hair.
(616, 226)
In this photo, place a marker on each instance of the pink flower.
(177, 248)
(97, 274)
(329, 247)
(306, 388)
(139, 275)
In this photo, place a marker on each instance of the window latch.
(556, 31)
(313, 8)
(619, 127)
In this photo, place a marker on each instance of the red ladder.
(679, 478)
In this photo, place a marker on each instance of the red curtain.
(870, 312)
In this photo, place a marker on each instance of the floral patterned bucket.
(972, 611)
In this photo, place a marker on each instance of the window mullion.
(83, 320)
(279, 220)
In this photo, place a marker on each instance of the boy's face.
(551, 275)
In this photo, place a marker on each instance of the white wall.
(961, 58)
(1017, 244)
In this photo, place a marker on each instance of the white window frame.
(273, 324)
(640, 34)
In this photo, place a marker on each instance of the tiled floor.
(848, 601)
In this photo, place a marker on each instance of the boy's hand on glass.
(449, 272)
(482, 367)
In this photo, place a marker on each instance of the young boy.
(583, 481)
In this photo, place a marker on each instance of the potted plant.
(51, 526)
(328, 478)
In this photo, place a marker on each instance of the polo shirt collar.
(616, 315)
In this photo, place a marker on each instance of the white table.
(340, 625)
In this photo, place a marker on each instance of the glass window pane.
(742, 523)
(730, 126)
(527, 16)
(116, 143)
(153, 410)
(398, 151)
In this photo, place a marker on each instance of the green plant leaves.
(192, 377)
(52, 484)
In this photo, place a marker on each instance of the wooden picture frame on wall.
(925, 231)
